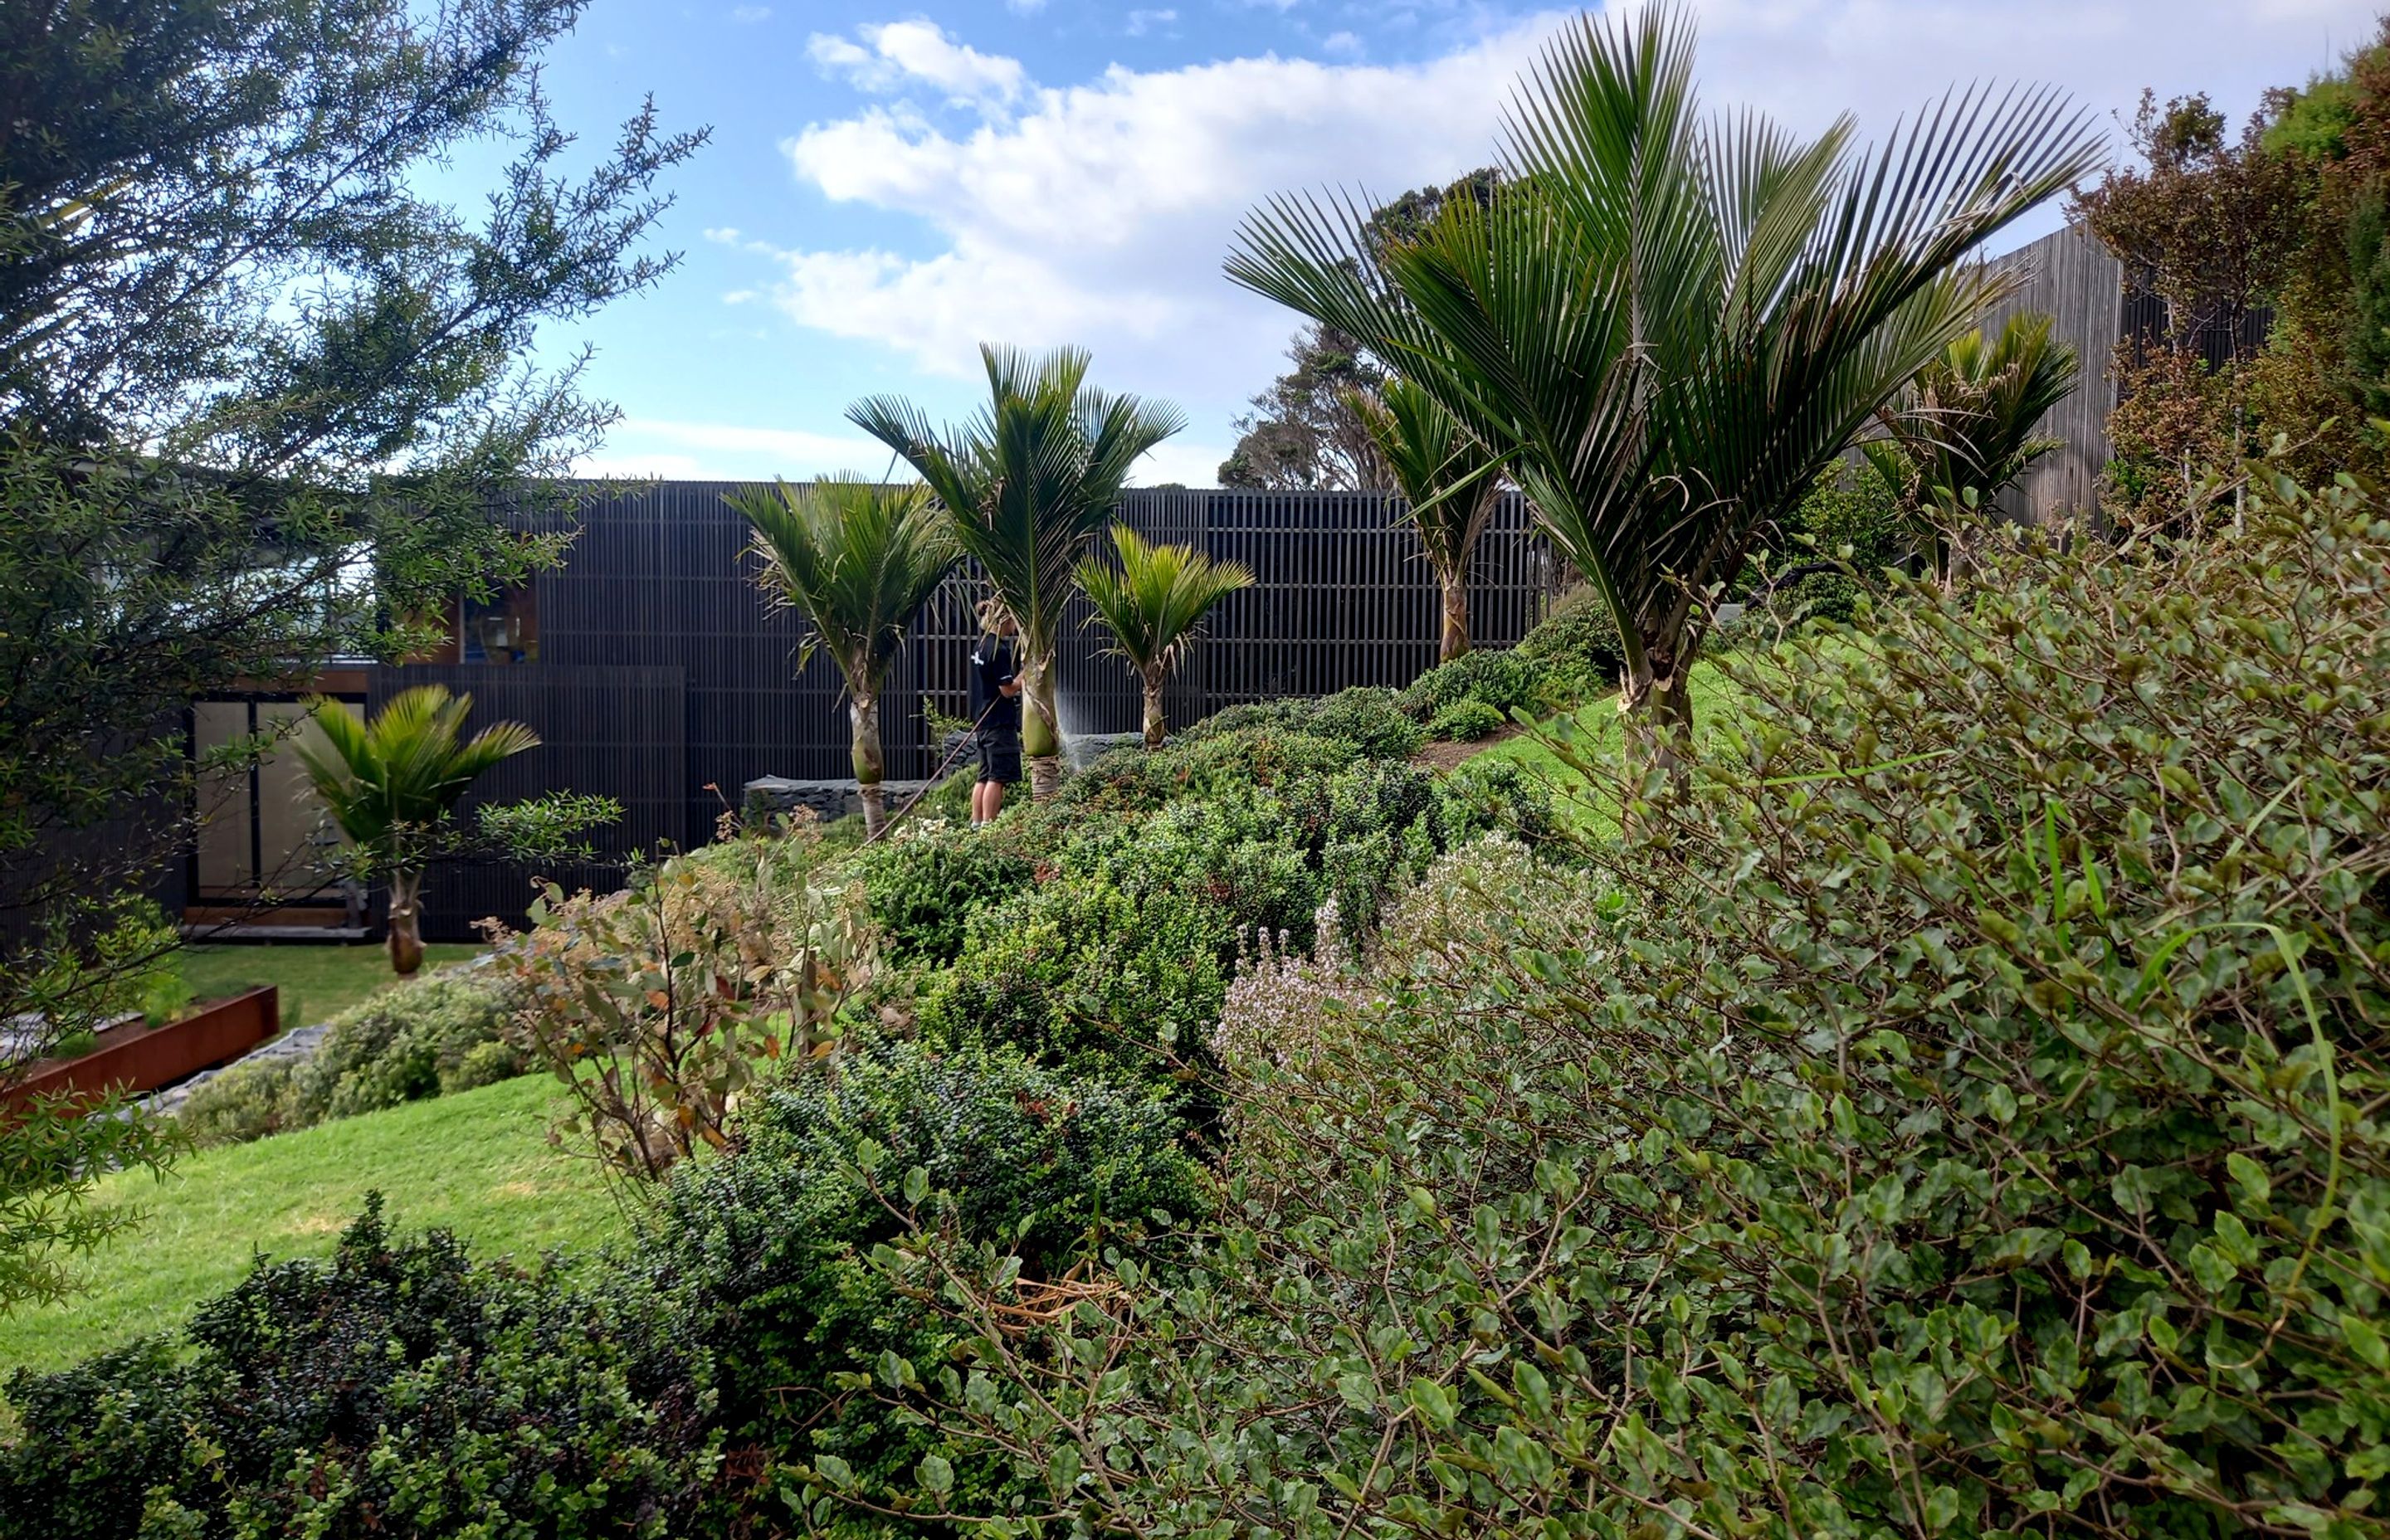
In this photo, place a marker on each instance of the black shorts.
(1000, 756)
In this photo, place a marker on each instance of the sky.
(887, 186)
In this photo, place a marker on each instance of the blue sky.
(890, 185)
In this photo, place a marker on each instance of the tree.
(257, 385)
(1967, 428)
(1670, 326)
(1449, 480)
(393, 786)
(1303, 433)
(1154, 605)
(1029, 481)
(859, 560)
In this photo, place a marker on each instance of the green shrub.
(768, 1255)
(1575, 644)
(1854, 512)
(416, 1039)
(1467, 721)
(923, 886)
(1370, 720)
(1501, 680)
(401, 1388)
(1079, 975)
(1955, 1112)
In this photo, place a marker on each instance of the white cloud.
(738, 297)
(731, 452)
(1100, 213)
(894, 55)
(1024, 8)
(1343, 44)
(747, 15)
(1141, 22)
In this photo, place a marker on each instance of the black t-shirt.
(994, 663)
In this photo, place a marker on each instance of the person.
(996, 710)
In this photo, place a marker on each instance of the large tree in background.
(1306, 433)
(1030, 482)
(1669, 324)
(257, 384)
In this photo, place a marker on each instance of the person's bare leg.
(978, 804)
(995, 790)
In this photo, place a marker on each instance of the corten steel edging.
(135, 1059)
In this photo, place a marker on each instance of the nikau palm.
(1668, 324)
(1154, 604)
(859, 560)
(1451, 482)
(1028, 482)
(393, 786)
(1966, 429)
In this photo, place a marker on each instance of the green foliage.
(1449, 481)
(1576, 644)
(401, 1388)
(1154, 605)
(1812, 578)
(1466, 722)
(424, 1037)
(768, 1256)
(1370, 720)
(1597, 320)
(923, 886)
(1502, 680)
(1082, 977)
(1954, 1116)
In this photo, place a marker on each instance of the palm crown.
(1153, 604)
(1028, 480)
(1670, 326)
(857, 558)
(389, 782)
(1967, 428)
(1448, 478)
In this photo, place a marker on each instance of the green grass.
(477, 1162)
(1591, 805)
(318, 981)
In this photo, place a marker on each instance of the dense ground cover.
(478, 1162)
(317, 982)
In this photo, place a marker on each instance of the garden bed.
(135, 1057)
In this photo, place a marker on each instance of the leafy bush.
(658, 1006)
(1079, 975)
(768, 1254)
(400, 1388)
(1501, 680)
(1854, 513)
(1577, 645)
(1466, 722)
(1954, 1113)
(424, 1037)
(926, 882)
(1370, 720)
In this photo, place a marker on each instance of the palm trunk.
(870, 761)
(1658, 726)
(1455, 584)
(405, 923)
(1041, 728)
(1153, 727)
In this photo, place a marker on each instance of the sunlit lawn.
(477, 1162)
(317, 981)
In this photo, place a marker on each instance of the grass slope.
(1592, 805)
(318, 981)
(477, 1162)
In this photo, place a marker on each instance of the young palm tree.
(393, 784)
(1154, 604)
(1669, 324)
(1451, 481)
(1029, 481)
(1964, 431)
(859, 560)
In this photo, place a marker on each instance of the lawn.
(477, 1162)
(1597, 734)
(318, 981)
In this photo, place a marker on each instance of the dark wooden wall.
(667, 679)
